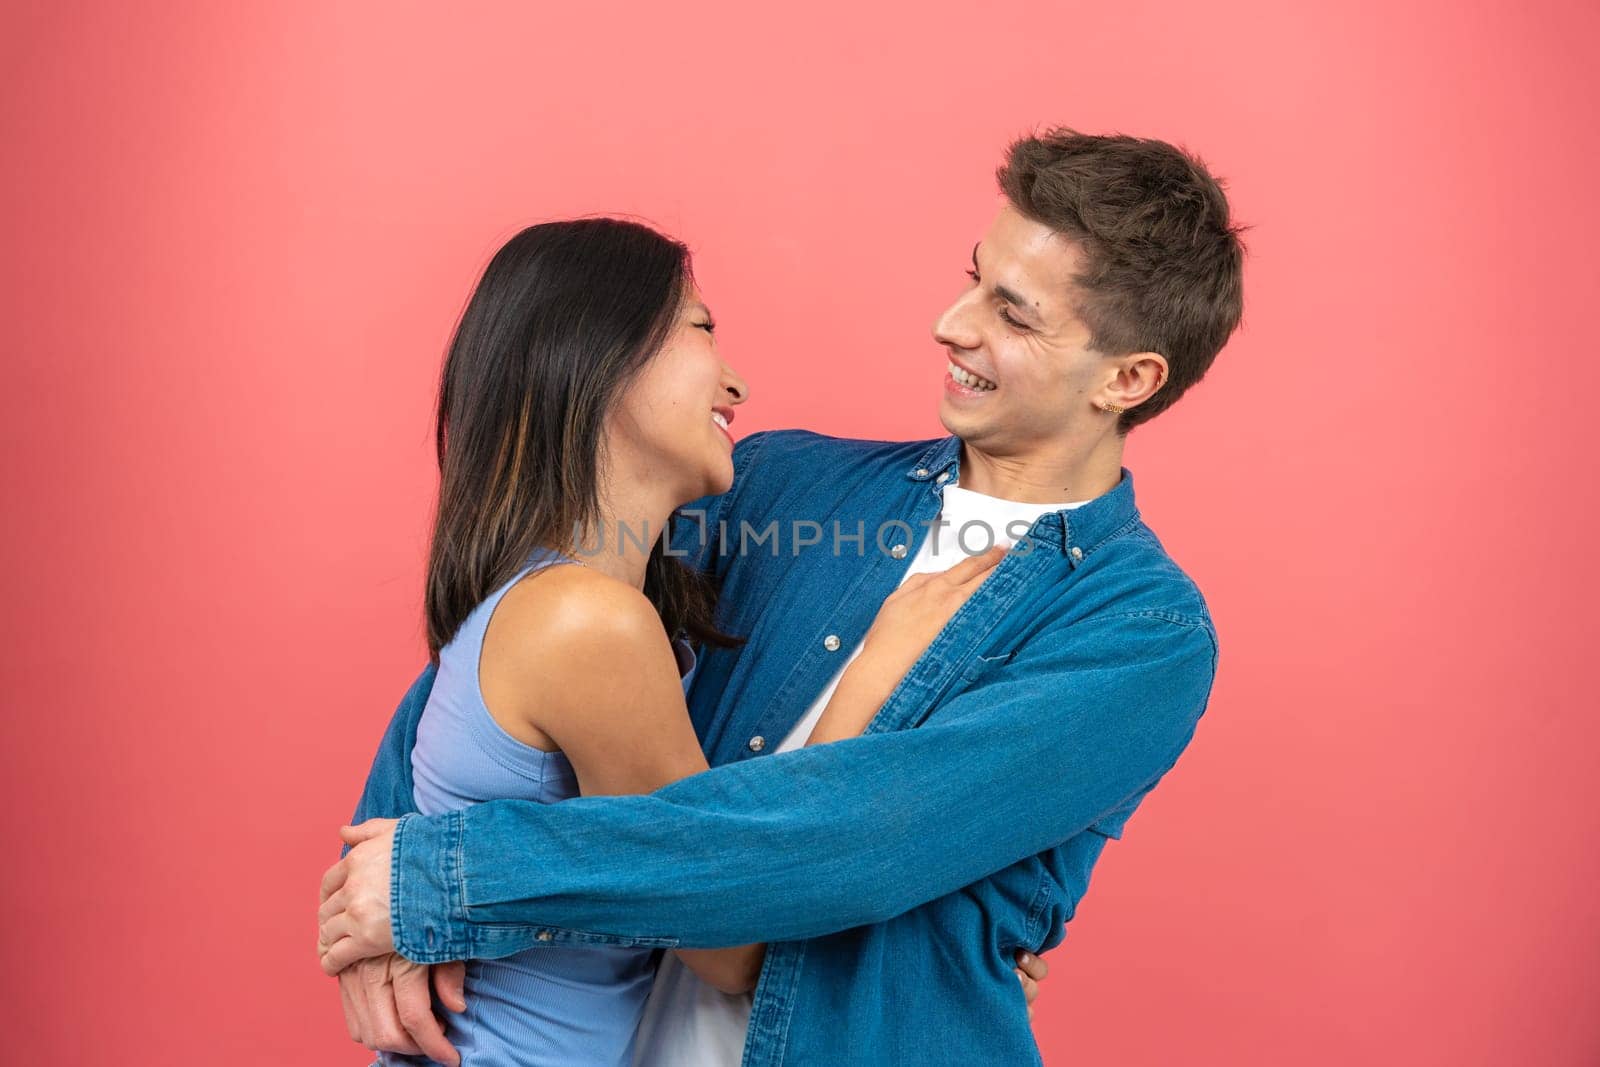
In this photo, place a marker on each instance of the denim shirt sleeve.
(1078, 725)
(388, 792)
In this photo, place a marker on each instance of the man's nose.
(956, 327)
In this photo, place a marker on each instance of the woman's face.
(676, 412)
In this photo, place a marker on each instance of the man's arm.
(387, 793)
(805, 843)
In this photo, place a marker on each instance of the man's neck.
(1042, 479)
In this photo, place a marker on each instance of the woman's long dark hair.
(565, 316)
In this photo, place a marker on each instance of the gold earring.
(1112, 408)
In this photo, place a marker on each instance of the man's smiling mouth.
(971, 381)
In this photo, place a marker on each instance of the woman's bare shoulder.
(568, 610)
(567, 639)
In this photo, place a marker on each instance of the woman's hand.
(1030, 971)
(906, 625)
(387, 1006)
(913, 614)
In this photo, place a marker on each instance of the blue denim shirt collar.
(1076, 532)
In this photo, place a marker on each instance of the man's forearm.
(387, 793)
(824, 838)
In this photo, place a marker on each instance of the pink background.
(236, 241)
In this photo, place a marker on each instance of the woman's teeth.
(716, 417)
(971, 381)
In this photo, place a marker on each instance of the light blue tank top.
(549, 1006)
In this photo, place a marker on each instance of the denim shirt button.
(543, 935)
(944, 476)
(1077, 553)
(922, 472)
(757, 743)
(831, 642)
(898, 552)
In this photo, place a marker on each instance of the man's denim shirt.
(893, 874)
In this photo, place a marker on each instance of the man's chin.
(956, 422)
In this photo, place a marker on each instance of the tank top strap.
(544, 557)
(476, 625)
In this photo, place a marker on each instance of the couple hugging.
(795, 749)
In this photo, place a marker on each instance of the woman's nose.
(738, 391)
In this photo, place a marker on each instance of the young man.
(893, 874)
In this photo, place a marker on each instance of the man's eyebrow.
(1010, 296)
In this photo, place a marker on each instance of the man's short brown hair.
(1163, 266)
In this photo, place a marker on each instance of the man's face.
(1015, 328)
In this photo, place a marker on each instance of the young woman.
(583, 401)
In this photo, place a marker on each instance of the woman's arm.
(577, 659)
(907, 622)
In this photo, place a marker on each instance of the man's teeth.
(716, 417)
(971, 381)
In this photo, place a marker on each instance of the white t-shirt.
(687, 1023)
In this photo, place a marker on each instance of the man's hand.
(1031, 970)
(353, 922)
(387, 1007)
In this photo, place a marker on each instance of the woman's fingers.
(912, 582)
(415, 1008)
(384, 1029)
(352, 1017)
(1033, 966)
(976, 567)
(988, 562)
(450, 979)
(1030, 972)
(353, 985)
